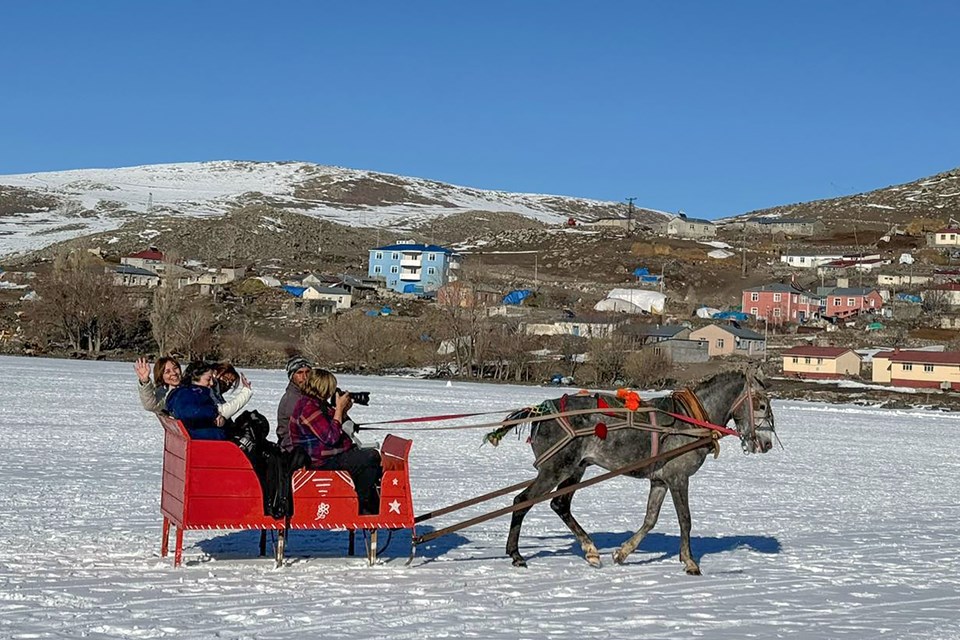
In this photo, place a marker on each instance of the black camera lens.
(360, 397)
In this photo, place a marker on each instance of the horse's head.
(753, 415)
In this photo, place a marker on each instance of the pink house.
(844, 302)
(779, 303)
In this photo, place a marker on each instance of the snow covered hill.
(39, 209)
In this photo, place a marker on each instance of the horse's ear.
(758, 374)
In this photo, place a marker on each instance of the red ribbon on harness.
(702, 423)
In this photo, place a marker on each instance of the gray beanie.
(296, 363)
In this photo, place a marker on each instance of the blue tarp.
(739, 316)
(373, 313)
(385, 311)
(294, 291)
(909, 297)
(517, 296)
(643, 275)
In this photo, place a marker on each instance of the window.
(776, 312)
(872, 301)
(796, 359)
(836, 302)
(819, 360)
(908, 367)
(377, 269)
(928, 368)
(754, 297)
(431, 271)
(394, 256)
(394, 269)
(802, 259)
(378, 255)
(806, 361)
(658, 351)
(431, 256)
(753, 311)
(777, 297)
(795, 299)
(719, 343)
(851, 302)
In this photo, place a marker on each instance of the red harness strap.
(703, 423)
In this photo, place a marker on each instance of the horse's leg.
(544, 482)
(561, 505)
(681, 502)
(658, 490)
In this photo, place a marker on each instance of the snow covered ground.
(851, 531)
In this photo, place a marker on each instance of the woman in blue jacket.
(193, 404)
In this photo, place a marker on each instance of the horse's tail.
(495, 436)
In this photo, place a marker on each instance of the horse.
(562, 457)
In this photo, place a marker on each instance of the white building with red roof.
(918, 369)
(821, 362)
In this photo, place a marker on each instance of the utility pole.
(629, 214)
(743, 249)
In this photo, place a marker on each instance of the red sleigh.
(209, 484)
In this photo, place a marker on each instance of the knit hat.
(296, 363)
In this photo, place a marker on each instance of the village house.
(408, 267)
(727, 340)
(152, 259)
(680, 350)
(786, 226)
(820, 362)
(845, 302)
(918, 369)
(684, 227)
(808, 259)
(778, 303)
(467, 295)
(584, 327)
(341, 298)
(896, 279)
(651, 334)
(946, 237)
(948, 293)
(128, 276)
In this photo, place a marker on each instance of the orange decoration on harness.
(600, 431)
(631, 399)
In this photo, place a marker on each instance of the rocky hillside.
(933, 199)
(38, 210)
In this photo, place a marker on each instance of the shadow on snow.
(305, 544)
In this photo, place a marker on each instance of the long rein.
(371, 426)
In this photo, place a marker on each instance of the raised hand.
(245, 382)
(143, 370)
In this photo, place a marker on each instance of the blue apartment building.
(409, 267)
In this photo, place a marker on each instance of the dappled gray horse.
(729, 395)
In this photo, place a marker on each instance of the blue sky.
(715, 107)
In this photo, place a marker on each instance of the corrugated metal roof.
(925, 357)
(818, 352)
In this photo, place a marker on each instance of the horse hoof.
(520, 562)
(693, 571)
(618, 557)
(594, 560)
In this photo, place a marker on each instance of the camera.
(358, 397)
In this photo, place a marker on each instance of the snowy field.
(851, 531)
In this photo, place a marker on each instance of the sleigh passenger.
(317, 426)
(166, 377)
(194, 404)
(227, 379)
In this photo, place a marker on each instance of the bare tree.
(192, 330)
(79, 303)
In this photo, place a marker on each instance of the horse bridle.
(757, 424)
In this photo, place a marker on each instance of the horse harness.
(684, 401)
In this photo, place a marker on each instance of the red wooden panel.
(394, 452)
(174, 468)
(217, 454)
(237, 513)
(172, 504)
(224, 482)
